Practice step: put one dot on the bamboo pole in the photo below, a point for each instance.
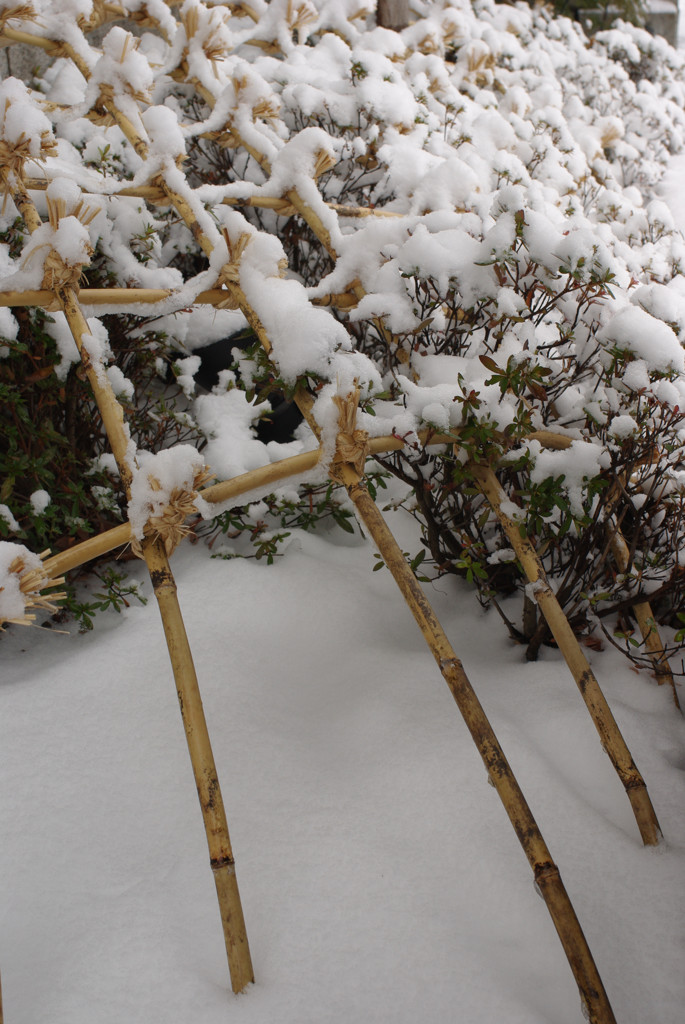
(545, 872)
(197, 736)
(642, 609)
(645, 618)
(127, 297)
(54, 47)
(609, 732)
(204, 768)
(276, 203)
(226, 490)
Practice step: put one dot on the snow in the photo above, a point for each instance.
(380, 878)
(379, 875)
(15, 559)
(650, 340)
(157, 479)
(40, 500)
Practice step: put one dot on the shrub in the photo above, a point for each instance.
(516, 286)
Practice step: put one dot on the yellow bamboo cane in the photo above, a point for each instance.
(545, 872)
(227, 490)
(197, 736)
(609, 732)
(204, 769)
(642, 610)
(645, 618)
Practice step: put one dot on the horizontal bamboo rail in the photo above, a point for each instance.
(112, 297)
(595, 701)
(227, 490)
(276, 203)
(126, 297)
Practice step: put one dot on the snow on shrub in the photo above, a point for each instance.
(518, 283)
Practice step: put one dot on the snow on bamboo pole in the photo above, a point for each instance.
(323, 161)
(349, 457)
(609, 733)
(190, 701)
(276, 203)
(131, 297)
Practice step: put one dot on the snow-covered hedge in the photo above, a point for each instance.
(518, 282)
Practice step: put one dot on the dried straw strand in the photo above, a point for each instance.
(32, 583)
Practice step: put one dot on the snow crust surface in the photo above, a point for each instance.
(379, 875)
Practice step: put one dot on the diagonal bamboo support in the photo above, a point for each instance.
(206, 779)
(546, 874)
(645, 617)
(545, 871)
(609, 732)
(643, 610)
(197, 736)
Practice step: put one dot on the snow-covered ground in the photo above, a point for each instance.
(380, 878)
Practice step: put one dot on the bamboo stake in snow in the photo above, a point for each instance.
(642, 610)
(645, 618)
(204, 769)
(197, 736)
(609, 732)
(545, 871)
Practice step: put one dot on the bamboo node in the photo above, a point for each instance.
(351, 445)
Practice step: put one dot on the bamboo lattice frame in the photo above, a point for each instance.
(346, 467)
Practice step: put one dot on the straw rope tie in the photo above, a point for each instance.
(57, 274)
(323, 162)
(352, 445)
(13, 156)
(31, 582)
(229, 274)
(170, 527)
